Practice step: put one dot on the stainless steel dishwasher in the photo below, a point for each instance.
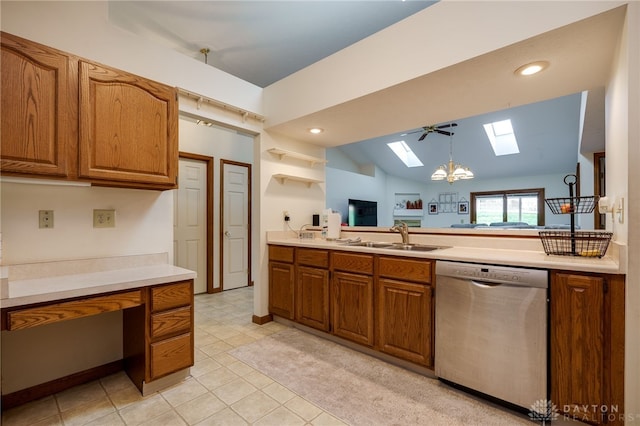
(491, 330)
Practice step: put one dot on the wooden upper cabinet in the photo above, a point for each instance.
(128, 128)
(38, 109)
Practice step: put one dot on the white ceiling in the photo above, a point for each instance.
(257, 41)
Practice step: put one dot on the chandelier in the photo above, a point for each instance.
(451, 171)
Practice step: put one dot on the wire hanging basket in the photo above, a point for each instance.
(570, 205)
(580, 243)
(574, 243)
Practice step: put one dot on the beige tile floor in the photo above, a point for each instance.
(220, 391)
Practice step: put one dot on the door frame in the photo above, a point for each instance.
(221, 214)
(209, 216)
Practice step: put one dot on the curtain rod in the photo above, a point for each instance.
(243, 112)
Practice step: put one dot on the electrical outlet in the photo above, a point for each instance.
(104, 218)
(45, 218)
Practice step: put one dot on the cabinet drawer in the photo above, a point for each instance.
(171, 355)
(312, 257)
(171, 322)
(32, 317)
(406, 269)
(351, 262)
(281, 253)
(171, 296)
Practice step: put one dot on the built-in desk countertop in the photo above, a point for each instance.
(156, 299)
(49, 289)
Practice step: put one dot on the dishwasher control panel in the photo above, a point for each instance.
(493, 273)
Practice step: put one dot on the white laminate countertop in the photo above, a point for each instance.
(86, 283)
(490, 255)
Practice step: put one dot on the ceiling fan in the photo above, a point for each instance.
(435, 129)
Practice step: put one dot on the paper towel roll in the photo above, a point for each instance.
(333, 231)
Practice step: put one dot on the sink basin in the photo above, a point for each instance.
(394, 246)
(414, 247)
(373, 244)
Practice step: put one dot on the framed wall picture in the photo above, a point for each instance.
(433, 208)
(463, 207)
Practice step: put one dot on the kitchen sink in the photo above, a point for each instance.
(414, 247)
(394, 246)
(373, 244)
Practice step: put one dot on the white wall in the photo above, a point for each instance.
(302, 201)
(622, 117)
(45, 353)
(141, 217)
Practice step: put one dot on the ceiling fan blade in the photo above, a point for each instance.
(424, 135)
(444, 126)
(443, 132)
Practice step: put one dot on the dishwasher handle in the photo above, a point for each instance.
(485, 284)
(488, 284)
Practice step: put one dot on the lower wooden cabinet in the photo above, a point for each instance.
(158, 336)
(281, 281)
(587, 346)
(405, 320)
(352, 307)
(170, 355)
(312, 297)
(382, 302)
(312, 288)
(405, 308)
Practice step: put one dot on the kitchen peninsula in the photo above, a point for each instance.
(379, 297)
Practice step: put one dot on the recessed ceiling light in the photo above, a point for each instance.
(532, 68)
(316, 130)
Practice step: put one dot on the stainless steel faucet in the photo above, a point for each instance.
(403, 229)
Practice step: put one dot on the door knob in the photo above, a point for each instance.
(227, 233)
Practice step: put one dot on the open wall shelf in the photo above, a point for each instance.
(282, 153)
(408, 212)
(282, 178)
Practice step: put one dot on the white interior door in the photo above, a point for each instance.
(189, 220)
(235, 227)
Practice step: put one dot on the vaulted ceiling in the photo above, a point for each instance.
(259, 41)
(264, 41)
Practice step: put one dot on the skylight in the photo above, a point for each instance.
(405, 154)
(503, 140)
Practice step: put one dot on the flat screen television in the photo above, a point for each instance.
(363, 213)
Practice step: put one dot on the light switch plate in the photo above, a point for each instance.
(104, 218)
(45, 218)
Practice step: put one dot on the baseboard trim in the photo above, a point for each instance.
(32, 393)
(262, 320)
